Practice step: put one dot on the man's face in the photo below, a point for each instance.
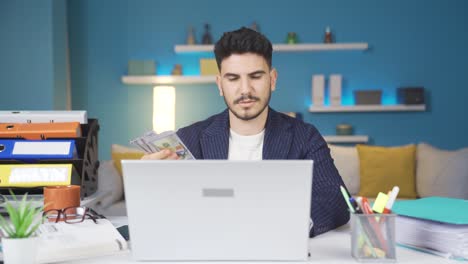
(246, 83)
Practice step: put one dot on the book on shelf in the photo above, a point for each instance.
(64, 242)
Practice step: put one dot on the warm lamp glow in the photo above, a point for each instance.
(163, 108)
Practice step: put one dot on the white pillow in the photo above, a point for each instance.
(347, 162)
(111, 182)
(441, 173)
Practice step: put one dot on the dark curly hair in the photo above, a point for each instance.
(242, 41)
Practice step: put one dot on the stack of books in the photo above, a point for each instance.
(436, 225)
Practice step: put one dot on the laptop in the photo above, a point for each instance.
(218, 210)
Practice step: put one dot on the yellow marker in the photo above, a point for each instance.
(380, 202)
(361, 241)
(380, 252)
(34, 175)
(366, 250)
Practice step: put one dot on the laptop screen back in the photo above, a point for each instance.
(218, 209)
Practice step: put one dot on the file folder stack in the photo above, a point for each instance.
(436, 225)
(40, 148)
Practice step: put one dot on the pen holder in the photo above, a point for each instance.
(373, 237)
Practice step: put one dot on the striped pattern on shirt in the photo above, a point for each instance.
(285, 138)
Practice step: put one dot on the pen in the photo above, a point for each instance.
(391, 200)
(365, 205)
(355, 205)
(359, 202)
(346, 197)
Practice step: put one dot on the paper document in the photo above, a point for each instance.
(447, 239)
(62, 241)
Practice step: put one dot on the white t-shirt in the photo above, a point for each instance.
(245, 147)
(248, 148)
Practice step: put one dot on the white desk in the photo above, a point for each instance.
(332, 247)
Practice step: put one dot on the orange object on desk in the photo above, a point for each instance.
(40, 130)
(60, 197)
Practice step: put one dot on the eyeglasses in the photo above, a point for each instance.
(71, 215)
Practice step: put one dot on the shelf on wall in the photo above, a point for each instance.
(167, 79)
(320, 46)
(367, 108)
(284, 47)
(193, 48)
(346, 139)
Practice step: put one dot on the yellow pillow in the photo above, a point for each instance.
(119, 152)
(381, 168)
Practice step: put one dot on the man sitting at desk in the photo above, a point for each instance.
(250, 130)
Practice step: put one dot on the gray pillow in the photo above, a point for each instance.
(441, 173)
(347, 163)
(110, 183)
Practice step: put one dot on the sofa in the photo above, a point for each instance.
(419, 170)
(431, 171)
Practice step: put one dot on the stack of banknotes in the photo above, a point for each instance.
(152, 142)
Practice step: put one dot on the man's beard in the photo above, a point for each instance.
(247, 117)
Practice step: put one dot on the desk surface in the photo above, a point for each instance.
(331, 247)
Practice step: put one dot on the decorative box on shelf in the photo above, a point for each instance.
(141, 67)
(208, 67)
(368, 97)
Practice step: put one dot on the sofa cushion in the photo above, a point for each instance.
(381, 168)
(110, 182)
(441, 172)
(347, 162)
(119, 152)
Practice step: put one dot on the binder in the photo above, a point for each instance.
(43, 116)
(85, 162)
(436, 223)
(33, 175)
(439, 209)
(40, 130)
(36, 149)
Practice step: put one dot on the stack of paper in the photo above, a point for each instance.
(63, 242)
(449, 239)
(437, 224)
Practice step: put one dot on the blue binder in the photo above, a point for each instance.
(36, 149)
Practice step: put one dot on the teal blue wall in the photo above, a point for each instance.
(32, 52)
(59, 49)
(412, 43)
(26, 79)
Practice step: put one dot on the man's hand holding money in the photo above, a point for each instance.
(164, 154)
(164, 146)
